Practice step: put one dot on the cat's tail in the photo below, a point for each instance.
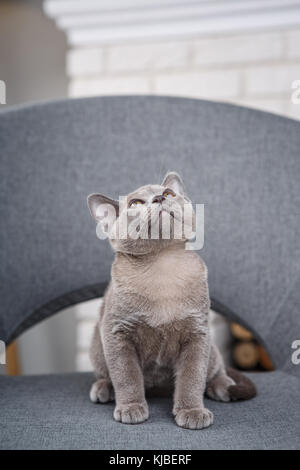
(244, 388)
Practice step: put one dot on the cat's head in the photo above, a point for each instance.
(150, 218)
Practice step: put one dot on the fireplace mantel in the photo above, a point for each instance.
(113, 21)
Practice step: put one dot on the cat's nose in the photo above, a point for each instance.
(158, 199)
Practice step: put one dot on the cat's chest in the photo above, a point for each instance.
(165, 279)
(165, 290)
(164, 286)
(158, 346)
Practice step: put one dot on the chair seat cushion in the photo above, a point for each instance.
(54, 412)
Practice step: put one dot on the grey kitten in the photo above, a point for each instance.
(153, 329)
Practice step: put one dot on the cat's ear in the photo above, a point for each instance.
(97, 203)
(173, 181)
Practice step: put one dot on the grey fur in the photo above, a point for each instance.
(153, 329)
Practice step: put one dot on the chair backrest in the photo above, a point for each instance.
(244, 165)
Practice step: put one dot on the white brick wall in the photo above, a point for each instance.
(255, 70)
(86, 314)
(216, 84)
(84, 61)
(151, 57)
(241, 49)
(109, 86)
(272, 80)
(293, 45)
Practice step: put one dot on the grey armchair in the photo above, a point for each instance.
(244, 165)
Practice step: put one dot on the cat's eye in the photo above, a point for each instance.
(168, 193)
(135, 202)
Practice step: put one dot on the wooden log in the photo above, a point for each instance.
(246, 355)
(239, 332)
(12, 360)
(264, 359)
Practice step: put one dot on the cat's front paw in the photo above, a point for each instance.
(133, 413)
(101, 391)
(195, 418)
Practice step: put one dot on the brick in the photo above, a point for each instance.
(293, 44)
(83, 363)
(271, 80)
(293, 111)
(147, 56)
(109, 86)
(238, 49)
(88, 310)
(84, 334)
(219, 84)
(87, 61)
(220, 334)
(276, 106)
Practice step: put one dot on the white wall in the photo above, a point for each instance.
(253, 69)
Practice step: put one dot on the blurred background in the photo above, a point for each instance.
(239, 51)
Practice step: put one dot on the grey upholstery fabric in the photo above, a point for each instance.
(54, 412)
(242, 164)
